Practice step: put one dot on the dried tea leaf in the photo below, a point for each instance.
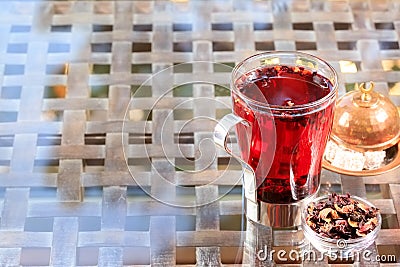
(326, 228)
(352, 223)
(341, 217)
(345, 209)
(335, 215)
(311, 223)
(324, 214)
(359, 233)
(310, 208)
(369, 225)
(362, 206)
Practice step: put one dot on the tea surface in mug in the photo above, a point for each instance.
(290, 169)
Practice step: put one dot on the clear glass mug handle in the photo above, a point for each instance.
(221, 132)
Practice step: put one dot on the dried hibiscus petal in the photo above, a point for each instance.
(353, 224)
(325, 214)
(359, 233)
(345, 208)
(311, 223)
(310, 208)
(326, 228)
(362, 207)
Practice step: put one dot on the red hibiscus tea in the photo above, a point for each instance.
(289, 110)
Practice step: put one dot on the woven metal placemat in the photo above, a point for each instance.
(105, 134)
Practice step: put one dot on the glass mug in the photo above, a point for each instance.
(283, 106)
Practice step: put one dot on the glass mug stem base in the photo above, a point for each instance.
(281, 215)
(269, 214)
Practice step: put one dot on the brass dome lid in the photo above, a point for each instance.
(366, 120)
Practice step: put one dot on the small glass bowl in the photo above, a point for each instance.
(342, 248)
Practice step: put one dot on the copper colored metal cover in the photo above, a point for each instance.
(366, 120)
